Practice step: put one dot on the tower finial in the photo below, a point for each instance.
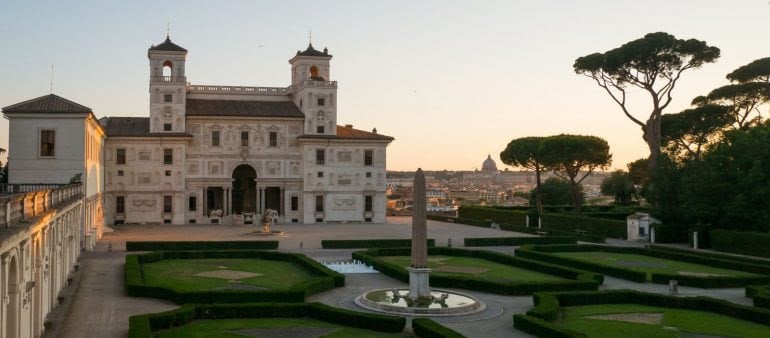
(310, 36)
(168, 30)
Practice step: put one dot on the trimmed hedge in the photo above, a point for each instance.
(592, 225)
(548, 306)
(579, 280)
(667, 233)
(715, 255)
(533, 230)
(144, 325)
(369, 243)
(428, 328)
(541, 253)
(495, 214)
(745, 243)
(473, 222)
(519, 241)
(760, 294)
(135, 286)
(200, 245)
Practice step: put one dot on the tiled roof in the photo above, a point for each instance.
(168, 46)
(132, 127)
(199, 107)
(310, 51)
(47, 104)
(348, 133)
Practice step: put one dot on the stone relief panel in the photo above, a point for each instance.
(144, 178)
(192, 168)
(344, 156)
(145, 154)
(294, 130)
(294, 168)
(148, 204)
(215, 168)
(273, 168)
(343, 203)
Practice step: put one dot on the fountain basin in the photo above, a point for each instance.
(444, 303)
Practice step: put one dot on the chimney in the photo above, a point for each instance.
(349, 126)
(374, 130)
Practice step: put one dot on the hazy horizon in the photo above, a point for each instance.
(452, 81)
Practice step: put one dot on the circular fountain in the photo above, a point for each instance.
(441, 303)
(419, 299)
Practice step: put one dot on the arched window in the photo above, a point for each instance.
(313, 72)
(167, 66)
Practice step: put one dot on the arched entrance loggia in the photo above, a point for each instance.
(12, 308)
(244, 194)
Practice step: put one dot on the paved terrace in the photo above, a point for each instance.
(99, 307)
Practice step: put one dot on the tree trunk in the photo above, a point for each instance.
(651, 136)
(576, 200)
(538, 198)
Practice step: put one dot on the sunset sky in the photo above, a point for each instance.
(451, 80)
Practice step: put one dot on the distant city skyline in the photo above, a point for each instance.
(452, 81)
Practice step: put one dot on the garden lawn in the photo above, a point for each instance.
(274, 328)
(484, 269)
(674, 323)
(650, 265)
(179, 274)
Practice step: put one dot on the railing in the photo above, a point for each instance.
(204, 89)
(168, 79)
(20, 202)
(314, 84)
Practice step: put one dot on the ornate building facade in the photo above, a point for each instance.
(217, 154)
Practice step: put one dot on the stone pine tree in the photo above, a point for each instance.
(575, 157)
(653, 64)
(526, 153)
(686, 135)
(749, 90)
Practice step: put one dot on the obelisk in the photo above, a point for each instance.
(418, 271)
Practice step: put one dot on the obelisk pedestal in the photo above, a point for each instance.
(419, 273)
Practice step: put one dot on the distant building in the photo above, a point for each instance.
(489, 165)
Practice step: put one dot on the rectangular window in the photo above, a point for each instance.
(320, 174)
(215, 138)
(120, 204)
(244, 139)
(120, 156)
(368, 157)
(167, 199)
(368, 203)
(168, 172)
(273, 139)
(192, 203)
(167, 127)
(168, 156)
(321, 102)
(120, 172)
(47, 143)
(168, 98)
(320, 156)
(320, 129)
(319, 203)
(368, 174)
(294, 203)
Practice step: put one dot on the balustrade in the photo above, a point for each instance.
(18, 202)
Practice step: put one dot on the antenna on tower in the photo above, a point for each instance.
(51, 87)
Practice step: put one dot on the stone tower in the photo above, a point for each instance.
(313, 91)
(168, 86)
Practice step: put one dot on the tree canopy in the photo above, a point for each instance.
(654, 64)
(620, 186)
(572, 154)
(526, 152)
(555, 191)
(686, 134)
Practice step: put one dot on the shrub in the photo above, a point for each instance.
(746, 243)
(579, 280)
(538, 320)
(714, 255)
(369, 243)
(541, 253)
(326, 279)
(144, 325)
(494, 214)
(592, 225)
(201, 245)
(518, 241)
(667, 233)
(427, 328)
